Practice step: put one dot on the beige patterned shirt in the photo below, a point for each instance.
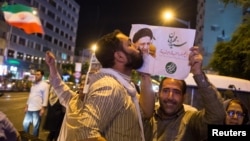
(107, 111)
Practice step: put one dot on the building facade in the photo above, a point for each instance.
(215, 22)
(20, 53)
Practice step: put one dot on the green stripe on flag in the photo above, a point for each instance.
(16, 8)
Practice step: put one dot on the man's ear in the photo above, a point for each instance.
(119, 55)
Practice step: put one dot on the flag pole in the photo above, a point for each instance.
(86, 84)
(8, 38)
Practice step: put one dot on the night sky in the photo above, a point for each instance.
(99, 17)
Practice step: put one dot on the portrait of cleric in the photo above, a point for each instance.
(143, 40)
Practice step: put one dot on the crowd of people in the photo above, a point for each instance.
(113, 110)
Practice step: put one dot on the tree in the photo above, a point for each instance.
(245, 3)
(85, 68)
(233, 58)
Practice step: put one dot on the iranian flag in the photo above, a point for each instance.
(23, 17)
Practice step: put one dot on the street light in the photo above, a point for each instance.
(168, 15)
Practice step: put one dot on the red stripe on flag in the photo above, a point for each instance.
(28, 28)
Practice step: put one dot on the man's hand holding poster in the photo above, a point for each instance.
(165, 49)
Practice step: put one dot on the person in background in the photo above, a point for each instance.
(236, 112)
(111, 110)
(171, 121)
(54, 117)
(7, 130)
(36, 103)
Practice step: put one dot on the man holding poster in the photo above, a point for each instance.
(171, 122)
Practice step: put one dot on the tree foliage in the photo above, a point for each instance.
(245, 3)
(232, 58)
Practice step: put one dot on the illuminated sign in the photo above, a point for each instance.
(13, 62)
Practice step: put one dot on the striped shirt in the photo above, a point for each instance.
(107, 111)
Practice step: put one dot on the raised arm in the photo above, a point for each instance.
(213, 112)
(147, 96)
(209, 93)
(50, 60)
(195, 60)
(62, 90)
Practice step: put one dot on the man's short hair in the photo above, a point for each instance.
(41, 71)
(106, 47)
(183, 85)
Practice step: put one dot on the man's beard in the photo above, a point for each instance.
(135, 61)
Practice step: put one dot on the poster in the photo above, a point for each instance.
(165, 49)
